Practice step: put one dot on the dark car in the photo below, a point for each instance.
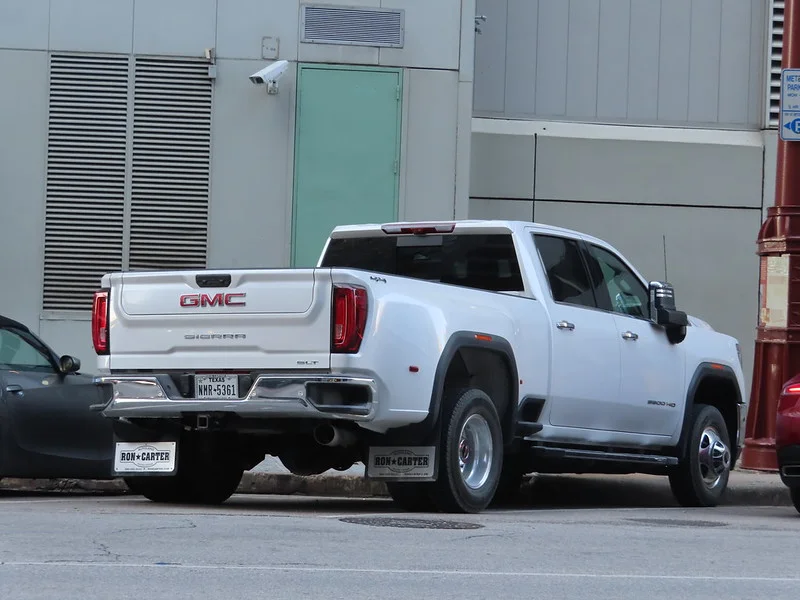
(46, 427)
(787, 437)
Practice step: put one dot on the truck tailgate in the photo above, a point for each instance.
(221, 320)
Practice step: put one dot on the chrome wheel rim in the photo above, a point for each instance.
(475, 452)
(714, 457)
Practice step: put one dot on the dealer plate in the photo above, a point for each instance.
(145, 457)
(401, 462)
(216, 386)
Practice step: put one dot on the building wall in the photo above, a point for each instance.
(252, 133)
(666, 62)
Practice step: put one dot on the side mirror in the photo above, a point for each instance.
(664, 313)
(69, 364)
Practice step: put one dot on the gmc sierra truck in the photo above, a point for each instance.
(452, 358)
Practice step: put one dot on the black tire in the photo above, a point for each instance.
(450, 491)
(687, 479)
(412, 496)
(510, 480)
(209, 472)
(795, 494)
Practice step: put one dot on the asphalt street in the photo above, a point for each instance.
(65, 547)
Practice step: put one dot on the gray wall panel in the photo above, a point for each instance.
(250, 219)
(521, 55)
(241, 25)
(92, 25)
(551, 59)
(673, 62)
(24, 24)
(430, 149)
(513, 210)
(177, 27)
(613, 59)
(23, 121)
(735, 62)
(704, 64)
(502, 166)
(711, 257)
(432, 35)
(582, 58)
(648, 172)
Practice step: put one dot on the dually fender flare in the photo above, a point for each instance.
(706, 370)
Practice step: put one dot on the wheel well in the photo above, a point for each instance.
(489, 371)
(720, 392)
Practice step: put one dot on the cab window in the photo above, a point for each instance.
(17, 353)
(622, 292)
(566, 272)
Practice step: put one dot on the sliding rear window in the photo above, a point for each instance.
(480, 261)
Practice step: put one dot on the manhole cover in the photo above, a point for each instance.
(678, 523)
(410, 523)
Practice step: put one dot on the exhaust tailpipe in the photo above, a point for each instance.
(328, 435)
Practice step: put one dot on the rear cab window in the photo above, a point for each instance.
(484, 261)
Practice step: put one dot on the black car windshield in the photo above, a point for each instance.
(480, 261)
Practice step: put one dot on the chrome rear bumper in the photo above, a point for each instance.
(157, 396)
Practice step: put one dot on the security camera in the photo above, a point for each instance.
(270, 75)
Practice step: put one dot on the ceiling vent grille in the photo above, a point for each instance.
(325, 24)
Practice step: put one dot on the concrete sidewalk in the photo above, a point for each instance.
(746, 488)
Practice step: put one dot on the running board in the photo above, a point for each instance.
(650, 459)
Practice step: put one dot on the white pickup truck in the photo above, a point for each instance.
(451, 358)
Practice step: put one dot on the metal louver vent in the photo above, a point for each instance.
(325, 24)
(171, 164)
(86, 154)
(774, 78)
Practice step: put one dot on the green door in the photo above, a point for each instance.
(347, 152)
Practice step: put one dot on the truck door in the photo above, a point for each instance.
(585, 356)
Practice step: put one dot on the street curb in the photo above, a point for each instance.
(549, 490)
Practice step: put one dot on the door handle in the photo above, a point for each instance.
(629, 335)
(565, 325)
(14, 389)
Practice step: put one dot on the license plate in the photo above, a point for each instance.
(216, 386)
(145, 457)
(401, 462)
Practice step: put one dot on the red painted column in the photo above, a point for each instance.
(777, 349)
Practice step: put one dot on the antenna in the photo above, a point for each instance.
(665, 257)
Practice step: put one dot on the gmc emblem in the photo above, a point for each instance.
(203, 300)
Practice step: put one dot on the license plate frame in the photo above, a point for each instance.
(216, 386)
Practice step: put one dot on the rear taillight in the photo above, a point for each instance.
(100, 322)
(349, 318)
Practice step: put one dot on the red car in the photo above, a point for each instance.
(787, 437)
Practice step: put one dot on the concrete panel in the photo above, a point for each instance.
(674, 61)
(73, 337)
(582, 45)
(513, 210)
(551, 58)
(645, 25)
(463, 149)
(734, 72)
(92, 25)
(466, 65)
(490, 58)
(704, 60)
(241, 25)
(502, 166)
(178, 27)
(24, 24)
(252, 141)
(612, 59)
(521, 55)
(430, 152)
(23, 121)
(648, 172)
(432, 35)
(711, 257)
